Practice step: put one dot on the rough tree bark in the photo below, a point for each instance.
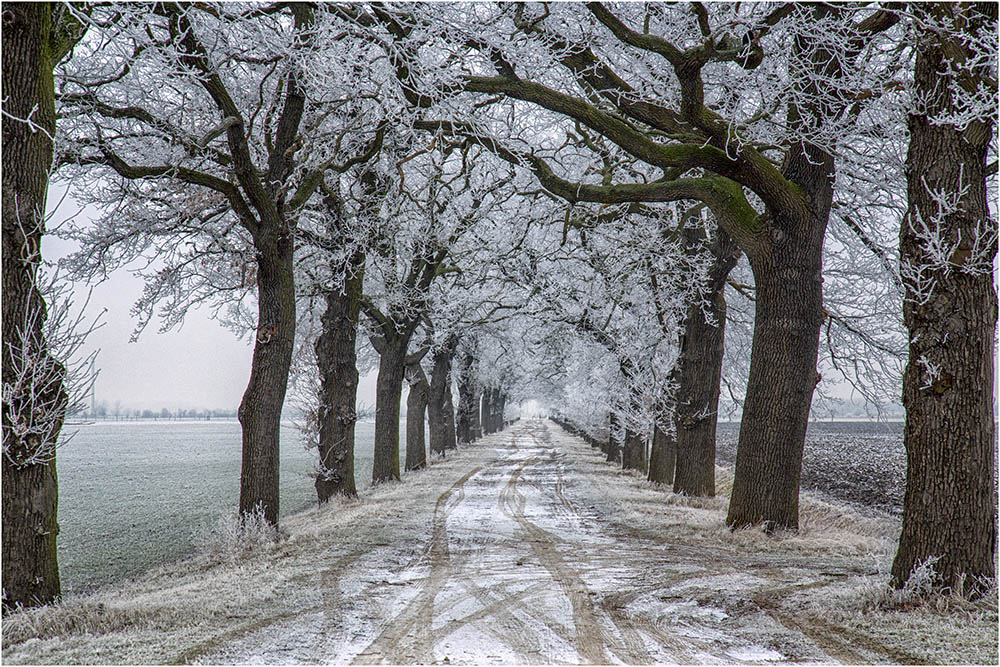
(336, 358)
(662, 457)
(782, 372)
(439, 399)
(633, 450)
(475, 423)
(698, 376)
(260, 409)
(468, 428)
(388, 391)
(949, 509)
(501, 408)
(416, 407)
(435, 401)
(36, 37)
(614, 450)
(787, 266)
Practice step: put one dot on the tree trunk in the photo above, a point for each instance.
(699, 375)
(614, 449)
(501, 407)
(260, 410)
(468, 402)
(476, 425)
(337, 361)
(463, 422)
(787, 264)
(486, 411)
(451, 437)
(779, 391)
(437, 403)
(388, 390)
(633, 451)
(949, 509)
(33, 414)
(416, 407)
(662, 457)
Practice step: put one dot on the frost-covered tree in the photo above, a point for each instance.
(948, 246)
(668, 84)
(185, 124)
(441, 427)
(439, 195)
(471, 292)
(335, 234)
(36, 36)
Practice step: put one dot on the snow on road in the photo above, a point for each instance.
(520, 567)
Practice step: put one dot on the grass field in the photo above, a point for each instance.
(137, 494)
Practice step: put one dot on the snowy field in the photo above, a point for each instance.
(525, 547)
(135, 494)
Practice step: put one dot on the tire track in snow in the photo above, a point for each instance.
(418, 616)
(589, 635)
(330, 578)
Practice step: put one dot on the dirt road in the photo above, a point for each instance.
(525, 563)
(525, 547)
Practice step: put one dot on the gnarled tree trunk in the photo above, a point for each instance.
(501, 407)
(633, 450)
(787, 266)
(260, 410)
(416, 407)
(699, 375)
(662, 457)
(949, 510)
(388, 391)
(468, 402)
(614, 450)
(33, 417)
(782, 378)
(438, 399)
(337, 361)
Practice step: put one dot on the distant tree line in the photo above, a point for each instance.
(103, 410)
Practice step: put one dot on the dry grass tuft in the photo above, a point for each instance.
(74, 617)
(922, 592)
(234, 537)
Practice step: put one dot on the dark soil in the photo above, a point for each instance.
(863, 463)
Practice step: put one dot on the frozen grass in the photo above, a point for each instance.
(133, 495)
(77, 617)
(830, 578)
(176, 612)
(233, 536)
(920, 593)
(137, 494)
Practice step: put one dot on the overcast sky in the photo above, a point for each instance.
(201, 365)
